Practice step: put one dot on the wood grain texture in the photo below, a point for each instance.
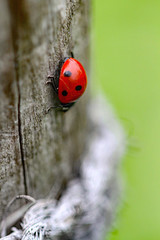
(11, 171)
(39, 150)
(68, 160)
(87, 207)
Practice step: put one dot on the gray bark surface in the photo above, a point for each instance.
(57, 157)
(37, 148)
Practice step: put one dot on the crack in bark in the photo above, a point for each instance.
(16, 11)
(20, 138)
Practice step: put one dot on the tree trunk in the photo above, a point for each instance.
(49, 155)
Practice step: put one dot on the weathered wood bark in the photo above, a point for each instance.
(37, 149)
(40, 152)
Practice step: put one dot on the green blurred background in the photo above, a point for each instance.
(127, 62)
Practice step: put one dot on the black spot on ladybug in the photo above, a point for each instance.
(64, 93)
(67, 74)
(78, 88)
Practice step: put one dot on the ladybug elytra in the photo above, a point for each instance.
(72, 81)
(69, 82)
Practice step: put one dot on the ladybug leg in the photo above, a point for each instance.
(52, 82)
(49, 82)
(50, 77)
(63, 108)
(54, 107)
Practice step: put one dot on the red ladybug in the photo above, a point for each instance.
(72, 81)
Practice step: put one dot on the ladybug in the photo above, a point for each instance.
(70, 82)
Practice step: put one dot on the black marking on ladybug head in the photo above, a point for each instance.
(67, 73)
(78, 88)
(64, 93)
